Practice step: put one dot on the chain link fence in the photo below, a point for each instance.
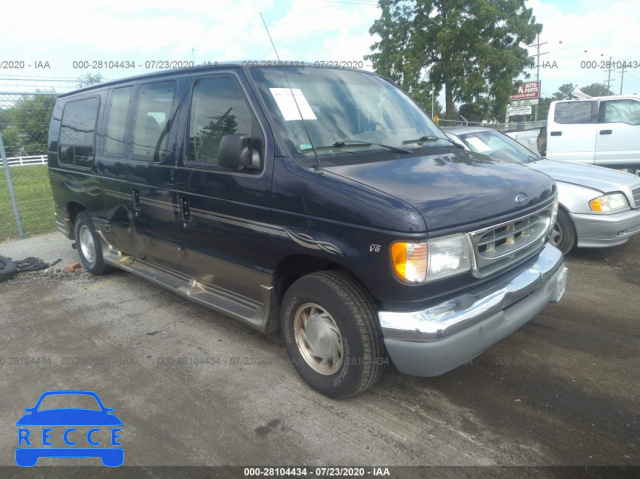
(26, 202)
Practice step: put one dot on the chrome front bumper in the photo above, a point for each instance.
(435, 340)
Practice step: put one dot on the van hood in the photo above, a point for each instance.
(598, 178)
(453, 187)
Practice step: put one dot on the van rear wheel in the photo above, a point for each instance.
(330, 329)
(89, 246)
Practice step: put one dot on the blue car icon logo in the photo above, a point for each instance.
(68, 432)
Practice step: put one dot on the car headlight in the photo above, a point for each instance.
(434, 259)
(609, 203)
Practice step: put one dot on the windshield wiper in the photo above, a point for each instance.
(426, 138)
(346, 143)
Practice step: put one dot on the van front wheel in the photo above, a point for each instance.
(330, 329)
(89, 247)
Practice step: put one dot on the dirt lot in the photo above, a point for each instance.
(563, 390)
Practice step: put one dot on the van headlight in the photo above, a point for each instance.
(431, 260)
(609, 203)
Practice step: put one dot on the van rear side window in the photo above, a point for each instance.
(77, 133)
(117, 115)
(154, 109)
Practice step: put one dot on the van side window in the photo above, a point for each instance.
(218, 108)
(575, 112)
(117, 114)
(620, 111)
(154, 110)
(77, 132)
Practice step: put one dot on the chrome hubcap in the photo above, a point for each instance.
(318, 339)
(556, 235)
(87, 246)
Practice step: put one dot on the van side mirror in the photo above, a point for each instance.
(235, 152)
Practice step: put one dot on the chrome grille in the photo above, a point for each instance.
(636, 196)
(497, 247)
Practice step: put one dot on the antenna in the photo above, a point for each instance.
(315, 153)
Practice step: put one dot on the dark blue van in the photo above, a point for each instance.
(321, 201)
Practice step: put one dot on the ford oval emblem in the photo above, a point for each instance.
(521, 199)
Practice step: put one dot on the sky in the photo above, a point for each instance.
(49, 44)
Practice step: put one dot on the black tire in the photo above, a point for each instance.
(8, 269)
(89, 246)
(341, 317)
(563, 235)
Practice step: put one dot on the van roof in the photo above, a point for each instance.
(210, 66)
(159, 74)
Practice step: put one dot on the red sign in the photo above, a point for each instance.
(528, 90)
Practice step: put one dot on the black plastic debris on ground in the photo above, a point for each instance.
(30, 264)
(9, 268)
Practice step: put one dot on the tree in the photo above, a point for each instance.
(472, 112)
(423, 98)
(30, 116)
(597, 89)
(89, 79)
(564, 92)
(11, 140)
(543, 107)
(469, 47)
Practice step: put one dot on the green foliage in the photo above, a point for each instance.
(469, 47)
(11, 140)
(424, 99)
(30, 116)
(597, 89)
(5, 119)
(543, 108)
(473, 112)
(89, 79)
(564, 92)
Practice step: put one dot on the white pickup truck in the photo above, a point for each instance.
(603, 131)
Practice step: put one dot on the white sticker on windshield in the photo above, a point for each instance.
(287, 104)
(477, 144)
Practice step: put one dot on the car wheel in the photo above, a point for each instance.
(89, 246)
(563, 236)
(330, 329)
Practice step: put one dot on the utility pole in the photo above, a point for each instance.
(537, 55)
(622, 77)
(432, 89)
(609, 80)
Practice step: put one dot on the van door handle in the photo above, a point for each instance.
(135, 196)
(185, 212)
(556, 133)
(606, 132)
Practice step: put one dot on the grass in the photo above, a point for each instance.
(35, 202)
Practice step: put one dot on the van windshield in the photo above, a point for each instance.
(346, 112)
